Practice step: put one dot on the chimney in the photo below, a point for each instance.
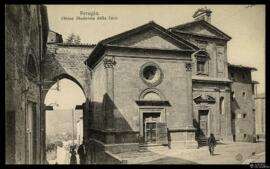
(203, 14)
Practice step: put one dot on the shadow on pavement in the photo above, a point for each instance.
(170, 160)
(216, 154)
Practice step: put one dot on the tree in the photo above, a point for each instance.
(73, 39)
(77, 39)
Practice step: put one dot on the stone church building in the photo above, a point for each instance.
(151, 83)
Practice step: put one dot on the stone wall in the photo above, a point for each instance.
(260, 115)
(219, 122)
(117, 89)
(217, 50)
(26, 31)
(242, 104)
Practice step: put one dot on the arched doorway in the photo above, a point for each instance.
(64, 123)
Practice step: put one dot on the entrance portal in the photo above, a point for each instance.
(31, 129)
(150, 121)
(203, 122)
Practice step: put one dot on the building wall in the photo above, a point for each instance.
(80, 130)
(116, 122)
(128, 86)
(219, 122)
(54, 37)
(98, 94)
(23, 38)
(242, 104)
(260, 115)
(217, 50)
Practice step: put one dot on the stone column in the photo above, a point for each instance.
(43, 133)
(189, 94)
(228, 116)
(190, 133)
(109, 100)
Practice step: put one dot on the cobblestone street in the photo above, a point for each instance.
(226, 153)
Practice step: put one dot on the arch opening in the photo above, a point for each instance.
(64, 124)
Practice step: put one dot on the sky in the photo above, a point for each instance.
(69, 95)
(245, 25)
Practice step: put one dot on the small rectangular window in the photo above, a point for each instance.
(244, 115)
(201, 66)
(239, 116)
(233, 115)
(232, 75)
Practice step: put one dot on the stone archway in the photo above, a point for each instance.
(59, 65)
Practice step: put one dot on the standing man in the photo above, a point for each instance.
(82, 152)
(169, 138)
(211, 143)
(73, 159)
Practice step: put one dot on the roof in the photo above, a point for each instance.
(255, 82)
(76, 45)
(210, 79)
(242, 67)
(101, 45)
(147, 25)
(54, 32)
(203, 22)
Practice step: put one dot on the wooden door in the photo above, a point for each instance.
(30, 133)
(162, 135)
(203, 122)
(150, 132)
(150, 127)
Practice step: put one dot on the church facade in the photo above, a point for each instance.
(149, 84)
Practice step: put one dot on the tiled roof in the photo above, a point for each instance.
(242, 67)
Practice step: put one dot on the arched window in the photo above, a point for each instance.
(31, 66)
(221, 105)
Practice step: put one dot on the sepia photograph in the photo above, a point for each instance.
(135, 84)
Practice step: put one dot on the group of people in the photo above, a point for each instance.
(81, 152)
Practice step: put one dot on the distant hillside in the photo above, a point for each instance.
(60, 121)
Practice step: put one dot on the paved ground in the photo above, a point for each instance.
(227, 153)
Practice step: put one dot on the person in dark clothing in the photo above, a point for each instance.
(211, 143)
(169, 138)
(82, 152)
(73, 159)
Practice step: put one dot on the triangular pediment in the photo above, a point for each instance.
(201, 28)
(151, 39)
(150, 36)
(204, 99)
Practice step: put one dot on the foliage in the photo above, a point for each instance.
(73, 39)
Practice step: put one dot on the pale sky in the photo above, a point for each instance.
(69, 95)
(246, 26)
